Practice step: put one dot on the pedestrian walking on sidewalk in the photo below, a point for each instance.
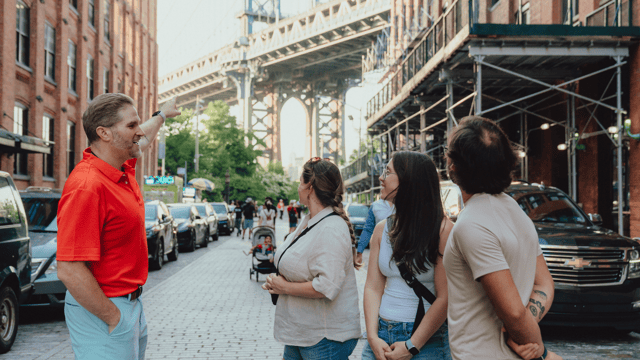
(408, 245)
(317, 315)
(499, 283)
(102, 246)
(293, 216)
(238, 213)
(248, 210)
(379, 210)
(281, 208)
(268, 214)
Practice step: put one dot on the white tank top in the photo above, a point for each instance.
(399, 301)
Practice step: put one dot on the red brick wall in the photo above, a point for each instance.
(135, 67)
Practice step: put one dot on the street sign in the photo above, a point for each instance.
(159, 180)
(182, 171)
(581, 147)
(189, 192)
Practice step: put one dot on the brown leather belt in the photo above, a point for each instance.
(134, 295)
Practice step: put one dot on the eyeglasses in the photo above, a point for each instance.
(386, 173)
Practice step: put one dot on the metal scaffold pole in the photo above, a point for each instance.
(620, 128)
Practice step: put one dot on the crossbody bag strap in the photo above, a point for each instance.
(420, 290)
(304, 232)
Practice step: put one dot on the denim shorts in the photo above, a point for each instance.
(248, 223)
(292, 225)
(390, 331)
(90, 337)
(324, 350)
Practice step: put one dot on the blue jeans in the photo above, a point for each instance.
(324, 350)
(90, 337)
(390, 331)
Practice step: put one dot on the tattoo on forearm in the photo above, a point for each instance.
(533, 310)
(542, 294)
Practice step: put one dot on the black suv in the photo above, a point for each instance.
(595, 270)
(161, 239)
(15, 260)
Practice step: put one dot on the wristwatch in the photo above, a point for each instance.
(412, 349)
(159, 112)
(544, 355)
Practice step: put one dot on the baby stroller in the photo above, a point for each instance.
(260, 263)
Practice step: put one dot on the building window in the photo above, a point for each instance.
(105, 80)
(90, 77)
(49, 51)
(71, 145)
(20, 127)
(74, 4)
(570, 11)
(107, 18)
(71, 61)
(493, 2)
(92, 13)
(526, 15)
(47, 135)
(22, 35)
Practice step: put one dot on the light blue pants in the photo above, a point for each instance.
(90, 338)
(437, 347)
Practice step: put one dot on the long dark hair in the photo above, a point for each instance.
(415, 232)
(325, 179)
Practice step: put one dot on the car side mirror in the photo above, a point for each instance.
(596, 219)
(198, 217)
(164, 217)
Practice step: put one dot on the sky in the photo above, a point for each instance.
(191, 29)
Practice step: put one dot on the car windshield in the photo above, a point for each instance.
(201, 209)
(150, 212)
(358, 211)
(180, 212)
(53, 226)
(220, 209)
(40, 211)
(550, 206)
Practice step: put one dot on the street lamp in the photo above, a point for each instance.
(227, 180)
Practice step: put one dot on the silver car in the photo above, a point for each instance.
(209, 215)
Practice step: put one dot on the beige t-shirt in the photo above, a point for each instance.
(492, 233)
(324, 257)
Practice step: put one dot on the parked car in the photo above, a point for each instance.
(357, 214)
(191, 227)
(209, 215)
(160, 235)
(41, 206)
(15, 260)
(596, 271)
(226, 218)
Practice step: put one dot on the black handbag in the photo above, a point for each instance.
(420, 290)
(274, 297)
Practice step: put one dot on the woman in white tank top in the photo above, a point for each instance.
(416, 236)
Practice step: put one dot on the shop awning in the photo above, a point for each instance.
(14, 143)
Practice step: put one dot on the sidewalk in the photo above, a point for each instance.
(212, 310)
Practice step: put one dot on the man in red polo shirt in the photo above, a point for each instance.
(102, 246)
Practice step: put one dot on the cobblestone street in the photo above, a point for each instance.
(210, 309)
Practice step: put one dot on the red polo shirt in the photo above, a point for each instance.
(101, 221)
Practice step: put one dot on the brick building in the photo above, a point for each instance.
(559, 76)
(55, 57)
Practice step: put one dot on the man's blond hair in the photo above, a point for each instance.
(103, 110)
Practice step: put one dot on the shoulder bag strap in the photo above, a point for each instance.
(420, 290)
(304, 232)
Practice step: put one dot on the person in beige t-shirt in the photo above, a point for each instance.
(493, 261)
(317, 314)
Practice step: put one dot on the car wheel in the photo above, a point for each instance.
(173, 255)
(192, 244)
(205, 241)
(158, 259)
(8, 318)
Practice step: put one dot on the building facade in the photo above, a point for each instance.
(56, 56)
(560, 76)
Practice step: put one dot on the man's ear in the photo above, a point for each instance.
(104, 133)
